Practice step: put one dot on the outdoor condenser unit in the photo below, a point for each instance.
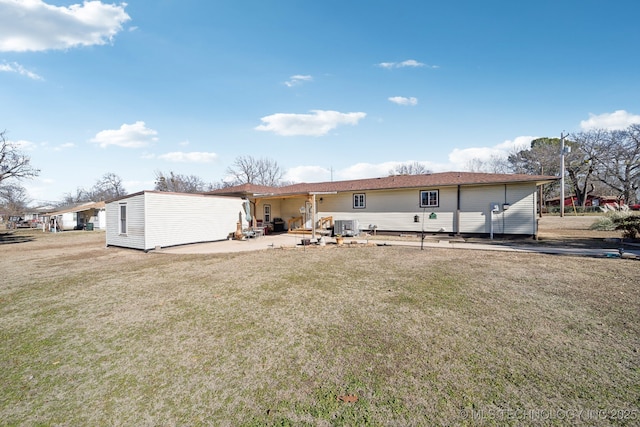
(346, 227)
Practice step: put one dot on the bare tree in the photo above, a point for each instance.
(249, 170)
(13, 199)
(179, 183)
(614, 157)
(544, 158)
(108, 187)
(14, 164)
(495, 164)
(69, 199)
(409, 168)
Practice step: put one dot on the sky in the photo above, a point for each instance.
(330, 90)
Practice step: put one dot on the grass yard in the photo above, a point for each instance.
(323, 336)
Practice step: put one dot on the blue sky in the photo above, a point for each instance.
(328, 89)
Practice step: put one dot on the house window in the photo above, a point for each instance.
(267, 213)
(359, 201)
(123, 219)
(429, 199)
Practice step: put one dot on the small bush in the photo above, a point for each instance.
(609, 221)
(629, 225)
(604, 223)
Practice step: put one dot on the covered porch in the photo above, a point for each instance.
(292, 213)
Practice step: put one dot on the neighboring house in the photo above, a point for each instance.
(153, 219)
(592, 200)
(79, 217)
(31, 218)
(449, 202)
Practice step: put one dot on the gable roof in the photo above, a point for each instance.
(443, 179)
(81, 208)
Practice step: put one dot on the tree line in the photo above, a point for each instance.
(603, 162)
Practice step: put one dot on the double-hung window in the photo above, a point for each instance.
(429, 199)
(123, 219)
(359, 201)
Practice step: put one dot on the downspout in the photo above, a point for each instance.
(456, 225)
(535, 216)
(504, 213)
(313, 216)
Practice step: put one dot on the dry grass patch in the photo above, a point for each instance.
(94, 336)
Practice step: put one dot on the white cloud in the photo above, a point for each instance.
(319, 123)
(14, 67)
(412, 63)
(458, 161)
(133, 186)
(356, 171)
(617, 120)
(298, 79)
(129, 136)
(375, 170)
(308, 174)
(64, 146)
(33, 25)
(401, 100)
(366, 170)
(460, 158)
(191, 157)
(23, 145)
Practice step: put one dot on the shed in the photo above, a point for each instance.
(154, 219)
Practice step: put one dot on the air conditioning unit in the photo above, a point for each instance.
(346, 227)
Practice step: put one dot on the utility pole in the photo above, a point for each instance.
(563, 151)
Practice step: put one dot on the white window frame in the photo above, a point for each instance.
(122, 219)
(266, 213)
(359, 200)
(432, 202)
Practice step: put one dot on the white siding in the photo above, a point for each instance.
(134, 238)
(67, 220)
(101, 222)
(394, 210)
(475, 205)
(475, 211)
(176, 219)
(520, 218)
(168, 219)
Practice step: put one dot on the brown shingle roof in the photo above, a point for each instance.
(443, 179)
(242, 190)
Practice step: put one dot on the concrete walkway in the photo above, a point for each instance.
(276, 241)
(595, 252)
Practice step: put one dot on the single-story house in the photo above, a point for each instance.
(449, 202)
(90, 215)
(153, 219)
